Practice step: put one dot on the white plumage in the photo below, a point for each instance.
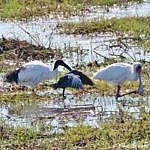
(118, 73)
(32, 73)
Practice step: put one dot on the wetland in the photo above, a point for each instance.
(87, 35)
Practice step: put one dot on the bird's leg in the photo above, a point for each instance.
(135, 92)
(118, 92)
(64, 97)
(33, 91)
(81, 91)
(120, 95)
(64, 93)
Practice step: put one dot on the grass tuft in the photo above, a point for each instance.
(19, 9)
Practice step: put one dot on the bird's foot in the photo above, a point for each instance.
(120, 95)
(64, 97)
(132, 92)
(135, 92)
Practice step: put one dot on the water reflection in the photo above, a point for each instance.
(88, 110)
(43, 32)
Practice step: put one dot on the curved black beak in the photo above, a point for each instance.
(62, 63)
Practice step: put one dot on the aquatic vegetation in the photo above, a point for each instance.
(147, 45)
(114, 133)
(18, 96)
(121, 130)
(29, 8)
(136, 25)
(135, 28)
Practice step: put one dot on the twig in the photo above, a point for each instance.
(29, 34)
(100, 55)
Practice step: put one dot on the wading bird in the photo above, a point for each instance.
(68, 80)
(73, 79)
(85, 80)
(118, 73)
(34, 72)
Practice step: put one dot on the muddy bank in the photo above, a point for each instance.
(13, 49)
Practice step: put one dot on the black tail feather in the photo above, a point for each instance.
(54, 86)
(85, 80)
(12, 76)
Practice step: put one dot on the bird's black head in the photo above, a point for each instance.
(61, 63)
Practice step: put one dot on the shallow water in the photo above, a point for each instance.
(87, 109)
(43, 32)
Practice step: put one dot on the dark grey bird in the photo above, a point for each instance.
(85, 80)
(68, 80)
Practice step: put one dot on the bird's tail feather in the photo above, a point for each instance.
(12, 76)
(86, 80)
(54, 85)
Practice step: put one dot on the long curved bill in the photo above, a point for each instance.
(140, 88)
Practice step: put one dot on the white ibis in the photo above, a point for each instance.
(118, 73)
(68, 80)
(34, 72)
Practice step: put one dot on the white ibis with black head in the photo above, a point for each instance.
(119, 73)
(68, 80)
(34, 72)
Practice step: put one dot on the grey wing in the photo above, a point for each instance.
(76, 81)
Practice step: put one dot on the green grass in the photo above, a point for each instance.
(30, 8)
(147, 44)
(137, 27)
(10, 8)
(115, 133)
(111, 133)
(128, 24)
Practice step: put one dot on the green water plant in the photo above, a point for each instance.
(26, 9)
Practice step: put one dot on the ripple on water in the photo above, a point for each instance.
(90, 109)
(84, 110)
(44, 31)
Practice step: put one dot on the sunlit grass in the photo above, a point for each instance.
(114, 133)
(136, 25)
(29, 8)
